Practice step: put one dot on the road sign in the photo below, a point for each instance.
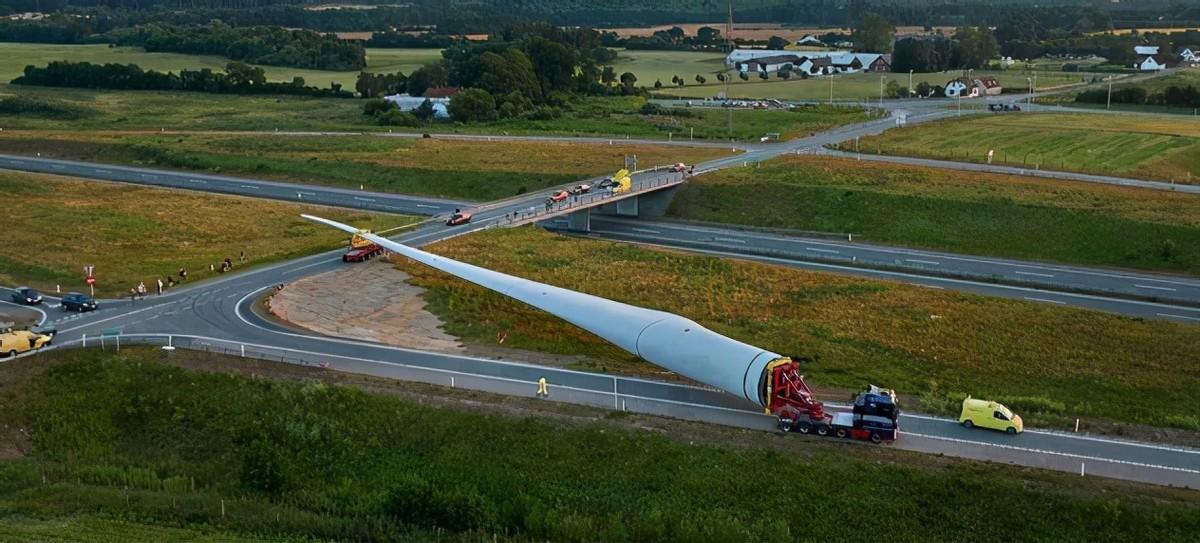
(89, 270)
(91, 280)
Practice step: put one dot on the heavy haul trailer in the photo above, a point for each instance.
(763, 378)
(361, 249)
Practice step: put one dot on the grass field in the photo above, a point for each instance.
(128, 445)
(1049, 363)
(1164, 149)
(470, 170)
(133, 234)
(962, 212)
(612, 117)
(1179, 78)
(15, 56)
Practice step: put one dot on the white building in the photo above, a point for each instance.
(1150, 64)
(811, 62)
(1145, 50)
(1189, 55)
(409, 103)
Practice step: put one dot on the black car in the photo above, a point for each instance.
(26, 296)
(45, 330)
(75, 301)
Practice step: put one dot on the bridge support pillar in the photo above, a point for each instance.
(650, 204)
(580, 221)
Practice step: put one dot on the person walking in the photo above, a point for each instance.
(141, 289)
(132, 295)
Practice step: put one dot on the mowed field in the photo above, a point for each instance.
(1051, 364)
(133, 446)
(1144, 147)
(961, 212)
(649, 66)
(15, 56)
(133, 234)
(470, 170)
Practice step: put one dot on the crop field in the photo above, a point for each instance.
(471, 170)
(133, 234)
(15, 56)
(127, 445)
(1049, 363)
(1162, 149)
(649, 66)
(961, 212)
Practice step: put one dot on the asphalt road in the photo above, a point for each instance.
(1117, 291)
(219, 314)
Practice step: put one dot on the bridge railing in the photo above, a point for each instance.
(536, 213)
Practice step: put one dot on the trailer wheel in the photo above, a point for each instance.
(804, 427)
(841, 432)
(875, 438)
(785, 427)
(822, 429)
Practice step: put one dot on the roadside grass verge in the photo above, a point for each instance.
(962, 212)
(470, 170)
(920, 341)
(616, 117)
(56, 225)
(1162, 149)
(123, 438)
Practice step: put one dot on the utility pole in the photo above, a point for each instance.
(882, 78)
(1108, 105)
(831, 89)
(728, 51)
(910, 87)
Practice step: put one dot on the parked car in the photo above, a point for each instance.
(581, 189)
(15, 342)
(986, 414)
(74, 301)
(607, 183)
(461, 217)
(26, 296)
(559, 196)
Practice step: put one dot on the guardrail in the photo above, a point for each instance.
(536, 213)
(609, 398)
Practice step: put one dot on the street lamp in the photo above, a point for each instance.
(910, 87)
(1108, 105)
(882, 78)
(831, 89)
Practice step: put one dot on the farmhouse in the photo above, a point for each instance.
(1189, 56)
(809, 39)
(1150, 64)
(409, 103)
(1148, 61)
(972, 88)
(814, 63)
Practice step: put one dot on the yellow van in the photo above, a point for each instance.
(985, 414)
(16, 342)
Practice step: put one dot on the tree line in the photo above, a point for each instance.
(238, 78)
(269, 45)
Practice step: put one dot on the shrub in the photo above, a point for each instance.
(395, 117)
(376, 106)
(42, 107)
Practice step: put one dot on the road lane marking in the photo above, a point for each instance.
(930, 262)
(1035, 274)
(195, 181)
(104, 171)
(645, 230)
(361, 199)
(1154, 288)
(249, 187)
(730, 240)
(1064, 435)
(1047, 300)
(55, 166)
(427, 206)
(814, 249)
(1056, 453)
(1178, 317)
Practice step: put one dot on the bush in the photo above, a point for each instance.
(377, 106)
(473, 105)
(544, 113)
(395, 117)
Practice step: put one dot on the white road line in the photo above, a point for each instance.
(427, 206)
(1055, 453)
(930, 262)
(1035, 274)
(249, 187)
(1155, 288)
(1045, 300)
(645, 230)
(730, 240)
(1178, 317)
(195, 181)
(56, 166)
(814, 249)
(364, 199)
(104, 171)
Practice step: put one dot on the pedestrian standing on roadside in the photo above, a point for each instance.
(182, 275)
(132, 296)
(141, 288)
(160, 286)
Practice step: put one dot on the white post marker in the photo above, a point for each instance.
(243, 351)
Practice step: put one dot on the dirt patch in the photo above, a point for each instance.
(370, 301)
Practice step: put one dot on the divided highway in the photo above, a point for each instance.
(220, 314)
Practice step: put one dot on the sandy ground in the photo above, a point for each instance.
(369, 301)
